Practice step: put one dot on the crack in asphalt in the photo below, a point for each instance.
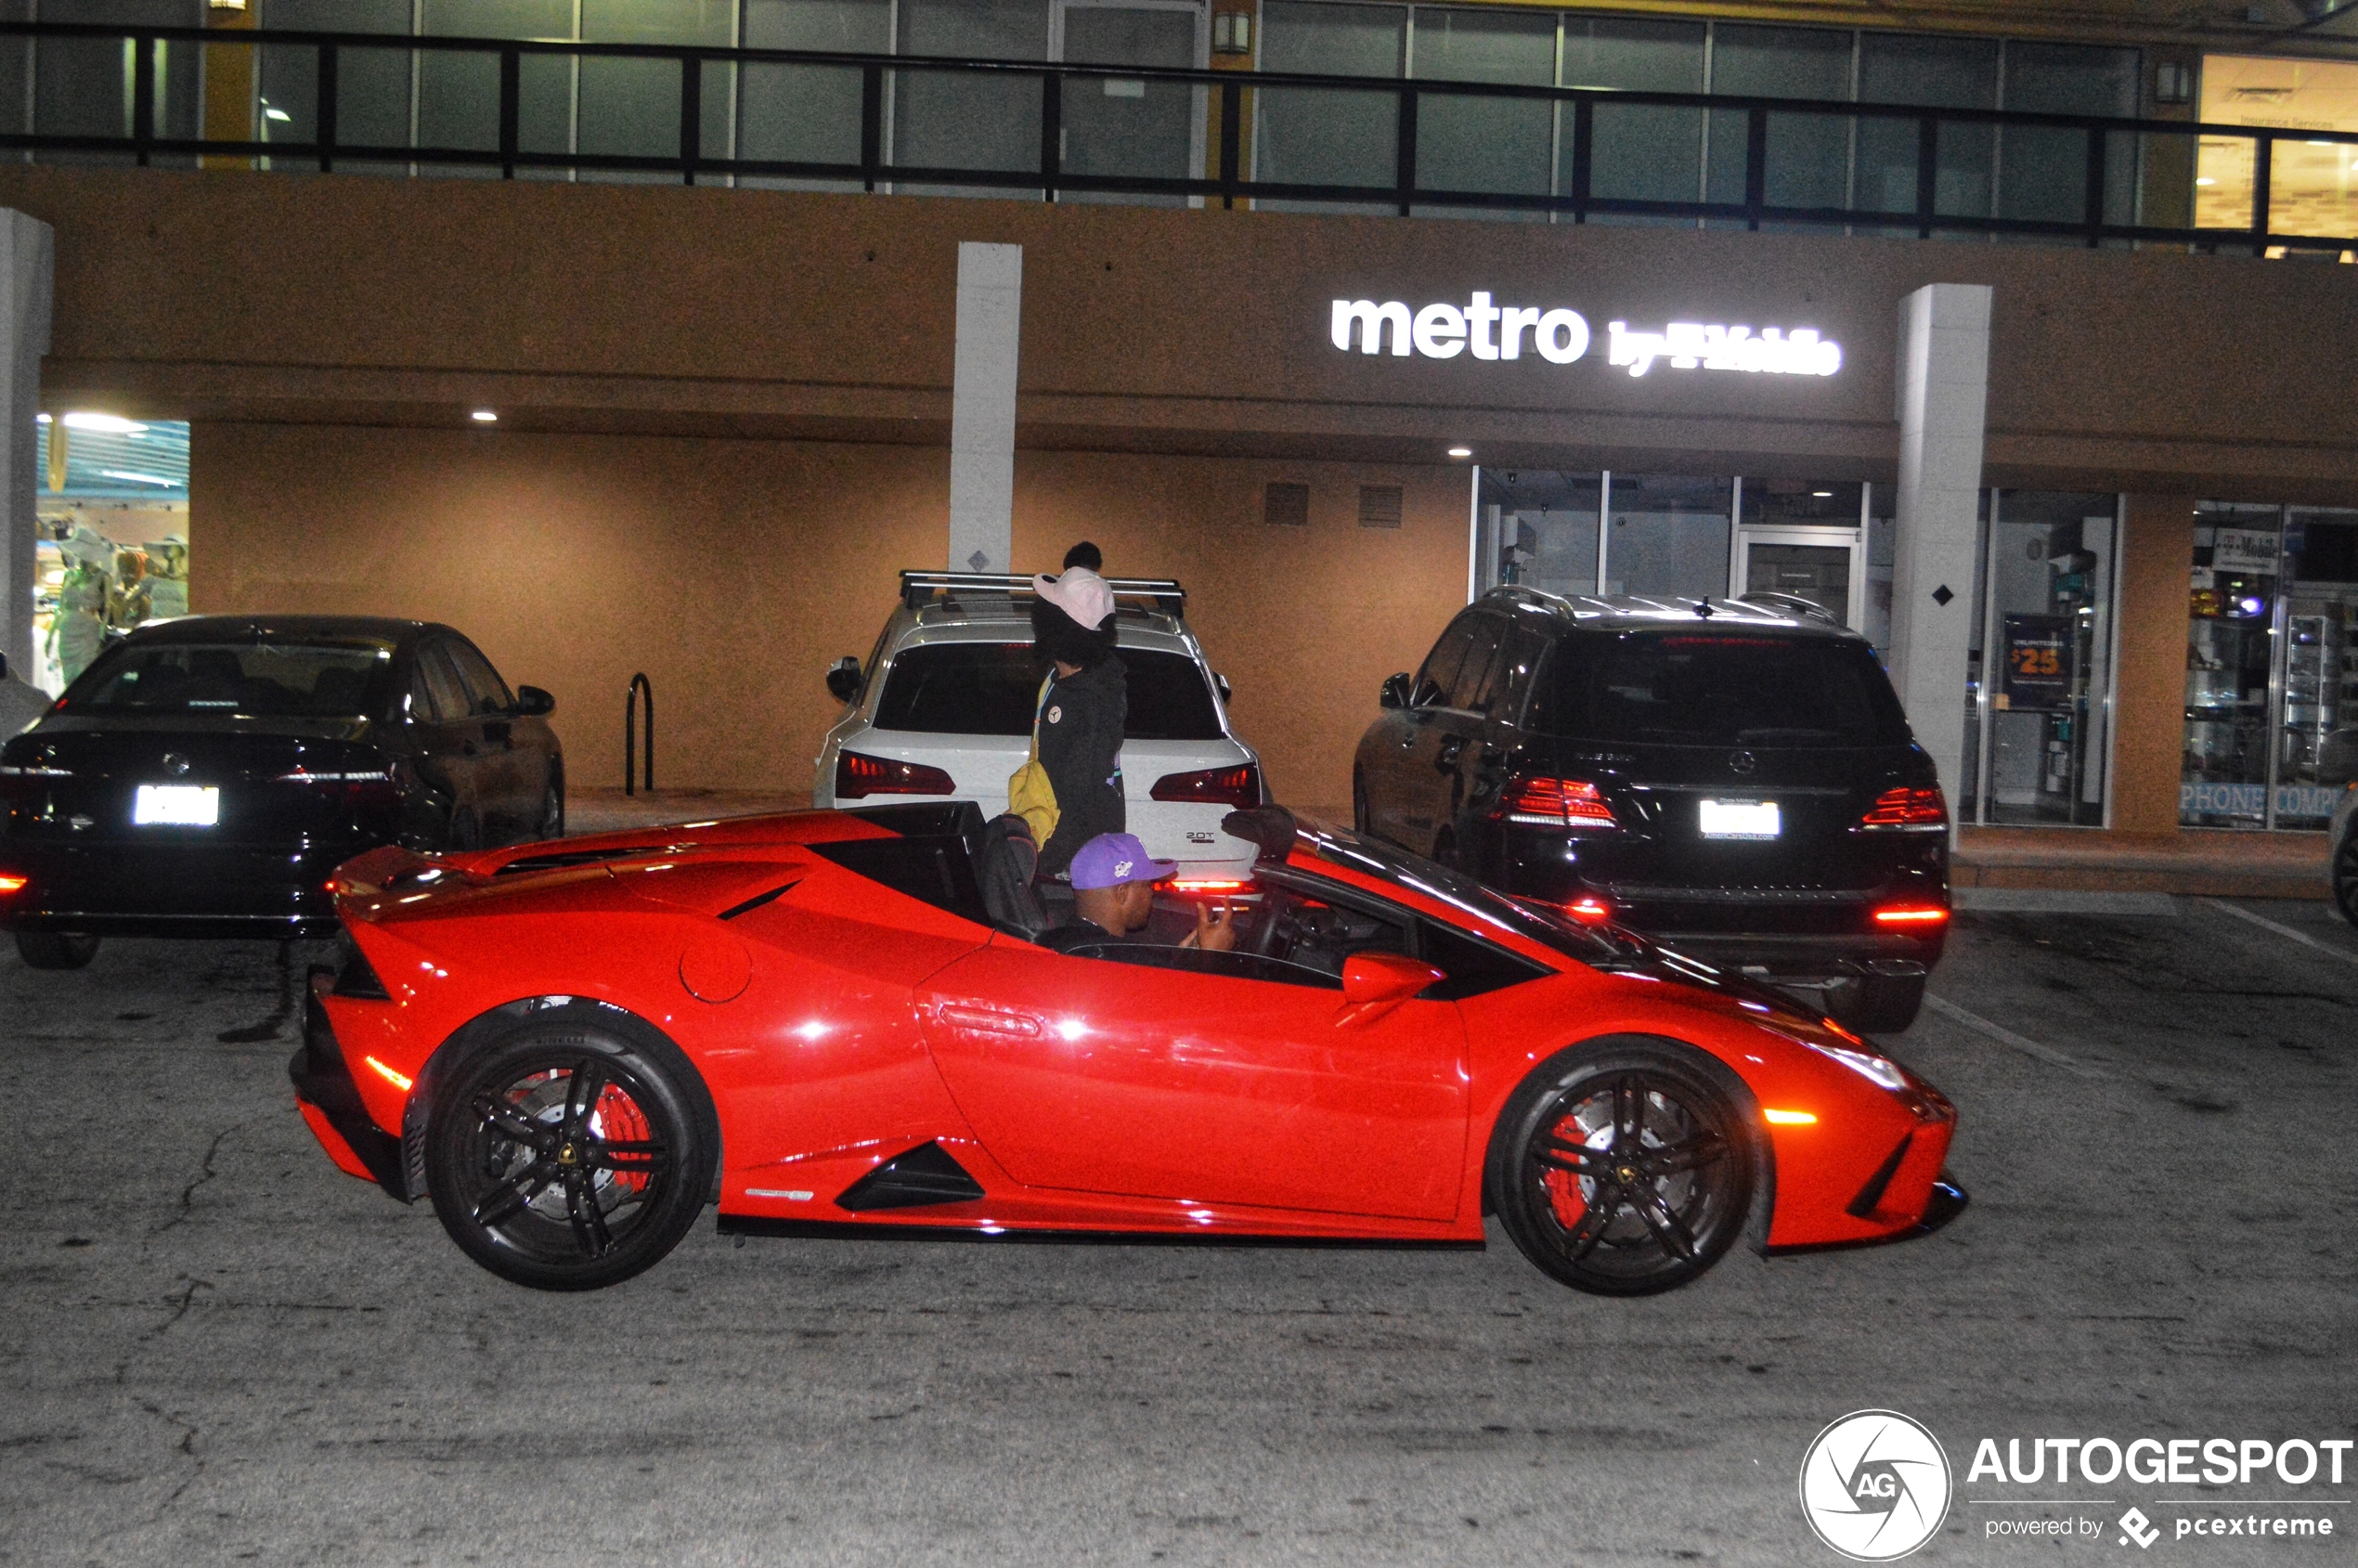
(205, 1172)
(180, 1304)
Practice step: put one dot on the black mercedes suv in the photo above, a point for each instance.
(1732, 778)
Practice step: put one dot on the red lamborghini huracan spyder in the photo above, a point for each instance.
(826, 1023)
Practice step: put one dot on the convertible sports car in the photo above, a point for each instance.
(817, 1022)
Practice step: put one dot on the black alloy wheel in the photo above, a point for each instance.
(566, 1156)
(1620, 1167)
(2346, 874)
(55, 950)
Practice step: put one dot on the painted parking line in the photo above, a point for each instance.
(2005, 1036)
(2284, 931)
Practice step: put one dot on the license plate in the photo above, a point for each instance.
(1740, 818)
(176, 806)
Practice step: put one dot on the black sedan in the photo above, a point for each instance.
(206, 776)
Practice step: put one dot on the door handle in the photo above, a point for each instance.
(1451, 749)
(989, 1021)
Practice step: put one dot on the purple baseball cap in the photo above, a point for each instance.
(1111, 858)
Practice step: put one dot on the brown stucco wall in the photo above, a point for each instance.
(653, 309)
(733, 571)
(2149, 713)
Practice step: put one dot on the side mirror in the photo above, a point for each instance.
(1220, 683)
(1395, 691)
(2338, 759)
(843, 679)
(534, 703)
(1374, 979)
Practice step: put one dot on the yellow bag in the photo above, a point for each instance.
(1029, 794)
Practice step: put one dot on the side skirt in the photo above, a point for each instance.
(854, 1230)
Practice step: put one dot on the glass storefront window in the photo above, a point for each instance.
(2046, 595)
(2230, 664)
(2313, 188)
(2272, 663)
(1669, 536)
(1484, 144)
(1539, 529)
(1318, 135)
(1648, 153)
(1936, 74)
(807, 112)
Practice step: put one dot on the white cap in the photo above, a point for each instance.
(1079, 593)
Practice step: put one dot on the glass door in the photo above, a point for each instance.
(1117, 126)
(2231, 674)
(2320, 660)
(1803, 541)
(2047, 594)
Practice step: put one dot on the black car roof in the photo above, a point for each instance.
(208, 629)
(1629, 611)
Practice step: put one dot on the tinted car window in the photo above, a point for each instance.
(1441, 666)
(441, 683)
(485, 692)
(987, 689)
(422, 706)
(1472, 689)
(323, 681)
(1688, 689)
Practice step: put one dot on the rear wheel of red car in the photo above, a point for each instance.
(55, 950)
(567, 1155)
(1621, 1167)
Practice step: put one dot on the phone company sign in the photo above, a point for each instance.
(1486, 330)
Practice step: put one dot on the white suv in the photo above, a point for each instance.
(943, 709)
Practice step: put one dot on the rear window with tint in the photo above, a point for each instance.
(987, 689)
(306, 680)
(1680, 689)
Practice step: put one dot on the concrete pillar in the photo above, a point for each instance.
(27, 257)
(1941, 399)
(982, 407)
(2149, 715)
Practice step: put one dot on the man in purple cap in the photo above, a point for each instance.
(1113, 891)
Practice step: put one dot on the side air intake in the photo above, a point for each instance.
(924, 1176)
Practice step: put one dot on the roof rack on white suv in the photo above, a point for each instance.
(919, 589)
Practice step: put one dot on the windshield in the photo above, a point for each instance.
(988, 688)
(290, 680)
(1532, 921)
(1719, 689)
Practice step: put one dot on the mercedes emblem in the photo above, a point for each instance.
(175, 764)
(1742, 762)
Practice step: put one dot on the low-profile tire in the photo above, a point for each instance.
(569, 1154)
(553, 813)
(56, 950)
(1621, 1168)
(2345, 875)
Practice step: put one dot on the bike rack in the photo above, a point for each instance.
(639, 687)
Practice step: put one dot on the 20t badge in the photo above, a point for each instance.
(1875, 1485)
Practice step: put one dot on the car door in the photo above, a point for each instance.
(508, 784)
(448, 738)
(1398, 774)
(1481, 740)
(1218, 1084)
(1457, 725)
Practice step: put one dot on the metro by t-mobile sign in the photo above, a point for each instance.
(1491, 332)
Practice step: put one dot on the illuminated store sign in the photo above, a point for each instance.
(1490, 332)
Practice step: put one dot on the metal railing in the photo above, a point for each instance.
(1225, 111)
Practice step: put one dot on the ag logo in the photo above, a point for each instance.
(1875, 1485)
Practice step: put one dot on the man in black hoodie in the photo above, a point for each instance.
(1083, 713)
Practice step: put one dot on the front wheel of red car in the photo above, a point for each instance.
(1621, 1168)
(566, 1155)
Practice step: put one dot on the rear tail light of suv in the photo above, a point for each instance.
(1238, 785)
(859, 775)
(1572, 804)
(1906, 811)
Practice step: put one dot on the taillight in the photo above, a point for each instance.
(1921, 918)
(859, 775)
(10, 883)
(1560, 803)
(1237, 786)
(1906, 811)
(1207, 887)
(1588, 910)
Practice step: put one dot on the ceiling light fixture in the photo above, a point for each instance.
(1823, 494)
(484, 416)
(105, 424)
(1461, 451)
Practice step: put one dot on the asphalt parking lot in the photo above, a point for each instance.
(216, 1348)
